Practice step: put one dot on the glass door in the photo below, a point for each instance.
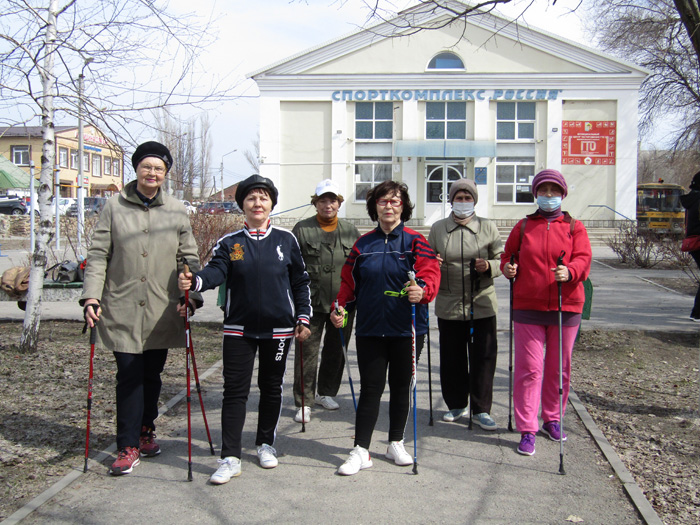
(438, 179)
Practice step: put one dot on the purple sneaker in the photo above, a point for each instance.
(553, 430)
(527, 444)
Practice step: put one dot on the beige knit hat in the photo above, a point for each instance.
(464, 185)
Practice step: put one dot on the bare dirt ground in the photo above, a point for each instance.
(44, 396)
(640, 387)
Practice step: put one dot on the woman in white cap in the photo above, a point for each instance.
(267, 304)
(130, 293)
(469, 250)
(537, 243)
(325, 241)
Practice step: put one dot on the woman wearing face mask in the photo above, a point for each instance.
(467, 369)
(536, 243)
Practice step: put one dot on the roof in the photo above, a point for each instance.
(585, 60)
(29, 131)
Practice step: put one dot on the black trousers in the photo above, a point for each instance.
(696, 307)
(464, 367)
(376, 355)
(138, 390)
(239, 359)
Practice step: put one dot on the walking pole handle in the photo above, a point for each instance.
(560, 260)
(412, 278)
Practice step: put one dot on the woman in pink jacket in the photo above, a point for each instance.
(536, 243)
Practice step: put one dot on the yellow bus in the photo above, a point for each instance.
(659, 209)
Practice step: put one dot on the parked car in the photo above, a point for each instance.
(92, 206)
(64, 203)
(218, 207)
(12, 205)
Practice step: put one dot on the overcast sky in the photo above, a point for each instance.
(253, 34)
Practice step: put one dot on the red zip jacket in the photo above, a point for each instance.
(542, 244)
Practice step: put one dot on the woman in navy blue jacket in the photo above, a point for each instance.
(379, 262)
(268, 302)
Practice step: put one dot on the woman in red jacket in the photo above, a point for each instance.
(536, 243)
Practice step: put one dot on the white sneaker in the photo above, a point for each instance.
(327, 402)
(397, 452)
(267, 456)
(229, 467)
(485, 421)
(307, 415)
(359, 460)
(455, 414)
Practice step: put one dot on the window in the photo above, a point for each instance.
(374, 129)
(86, 162)
(445, 120)
(446, 61)
(369, 175)
(96, 165)
(63, 157)
(74, 159)
(515, 121)
(374, 120)
(513, 180)
(108, 166)
(115, 167)
(20, 155)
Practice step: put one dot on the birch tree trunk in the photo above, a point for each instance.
(32, 316)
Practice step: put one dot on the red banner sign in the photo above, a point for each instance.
(588, 142)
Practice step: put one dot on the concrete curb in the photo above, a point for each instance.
(635, 494)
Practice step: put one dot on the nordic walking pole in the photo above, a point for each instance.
(185, 269)
(472, 280)
(301, 364)
(560, 262)
(430, 369)
(412, 279)
(345, 352)
(510, 354)
(190, 346)
(93, 339)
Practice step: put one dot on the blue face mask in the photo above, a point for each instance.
(548, 203)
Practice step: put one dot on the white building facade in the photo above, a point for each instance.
(483, 99)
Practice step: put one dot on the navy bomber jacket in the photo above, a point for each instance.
(267, 287)
(379, 262)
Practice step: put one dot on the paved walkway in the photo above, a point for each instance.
(463, 476)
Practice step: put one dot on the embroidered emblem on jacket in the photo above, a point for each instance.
(280, 255)
(237, 252)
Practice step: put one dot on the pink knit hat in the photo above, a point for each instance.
(549, 175)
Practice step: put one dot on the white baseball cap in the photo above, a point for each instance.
(327, 186)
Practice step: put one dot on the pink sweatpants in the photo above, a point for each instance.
(536, 372)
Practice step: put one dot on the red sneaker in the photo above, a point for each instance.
(127, 459)
(147, 443)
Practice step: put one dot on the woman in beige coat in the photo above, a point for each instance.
(461, 241)
(130, 293)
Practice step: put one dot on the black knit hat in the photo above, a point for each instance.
(252, 182)
(152, 149)
(695, 183)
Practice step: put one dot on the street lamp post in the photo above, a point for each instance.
(81, 204)
(221, 172)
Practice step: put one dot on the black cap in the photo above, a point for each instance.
(152, 149)
(695, 183)
(252, 182)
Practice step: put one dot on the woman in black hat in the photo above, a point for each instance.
(268, 302)
(130, 293)
(691, 203)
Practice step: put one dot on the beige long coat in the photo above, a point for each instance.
(457, 245)
(132, 267)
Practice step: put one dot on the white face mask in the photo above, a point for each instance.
(548, 203)
(462, 210)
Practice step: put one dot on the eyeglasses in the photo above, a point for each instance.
(158, 170)
(395, 203)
